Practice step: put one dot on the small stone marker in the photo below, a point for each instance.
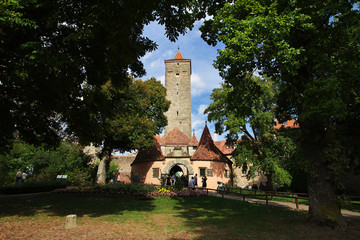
(70, 221)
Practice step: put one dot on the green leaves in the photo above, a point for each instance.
(311, 50)
(45, 164)
(248, 109)
(53, 52)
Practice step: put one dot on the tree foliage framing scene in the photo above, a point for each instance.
(311, 50)
(70, 69)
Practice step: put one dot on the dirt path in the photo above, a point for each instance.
(290, 205)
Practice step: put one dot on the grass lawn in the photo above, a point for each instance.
(106, 216)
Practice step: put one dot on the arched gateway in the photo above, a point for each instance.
(171, 164)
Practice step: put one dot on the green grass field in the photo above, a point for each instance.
(110, 216)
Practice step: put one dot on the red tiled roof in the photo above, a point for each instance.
(194, 141)
(175, 137)
(158, 137)
(288, 124)
(178, 56)
(225, 149)
(207, 150)
(152, 154)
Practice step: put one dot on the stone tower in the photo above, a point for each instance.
(178, 86)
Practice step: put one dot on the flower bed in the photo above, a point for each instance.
(138, 190)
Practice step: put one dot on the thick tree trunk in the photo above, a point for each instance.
(101, 172)
(323, 206)
(269, 184)
(103, 165)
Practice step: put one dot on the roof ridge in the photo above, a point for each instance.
(207, 150)
(175, 137)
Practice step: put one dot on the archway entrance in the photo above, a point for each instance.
(185, 166)
(180, 172)
(177, 171)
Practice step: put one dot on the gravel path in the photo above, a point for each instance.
(290, 205)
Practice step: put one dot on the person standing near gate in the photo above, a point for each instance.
(23, 177)
(173, 180)
(204, 181)
(195, 180)
(18, 177)
(192, 183)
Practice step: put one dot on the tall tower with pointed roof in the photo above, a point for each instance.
(178, 86)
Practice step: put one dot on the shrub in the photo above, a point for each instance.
(45, 164)
(111, 172)
(31, 187)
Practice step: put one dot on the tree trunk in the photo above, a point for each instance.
(269, 183)
(103, 165)
(101, 172)
(323, 206)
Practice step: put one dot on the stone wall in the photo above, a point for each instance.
(124, 163)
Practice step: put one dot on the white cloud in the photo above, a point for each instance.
(161, 79)
(156, 63)
(198, 86)
(147, 56)
(202, 108)
(198, 121)
(168, 54)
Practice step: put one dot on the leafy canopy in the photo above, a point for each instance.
(51, 52)
(311, 50)
(261, 148)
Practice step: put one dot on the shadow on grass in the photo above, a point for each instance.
(173, 218)
(57, 204)
(217, 218)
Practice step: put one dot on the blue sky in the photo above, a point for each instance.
(204, 76)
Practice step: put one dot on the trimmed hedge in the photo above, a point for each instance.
(31, 187)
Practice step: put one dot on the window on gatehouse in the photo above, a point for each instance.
(156, 172)
(202, 172)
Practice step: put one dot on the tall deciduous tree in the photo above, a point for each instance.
(249, 110)
(51, 50)
(311, 49)
(120, 119)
